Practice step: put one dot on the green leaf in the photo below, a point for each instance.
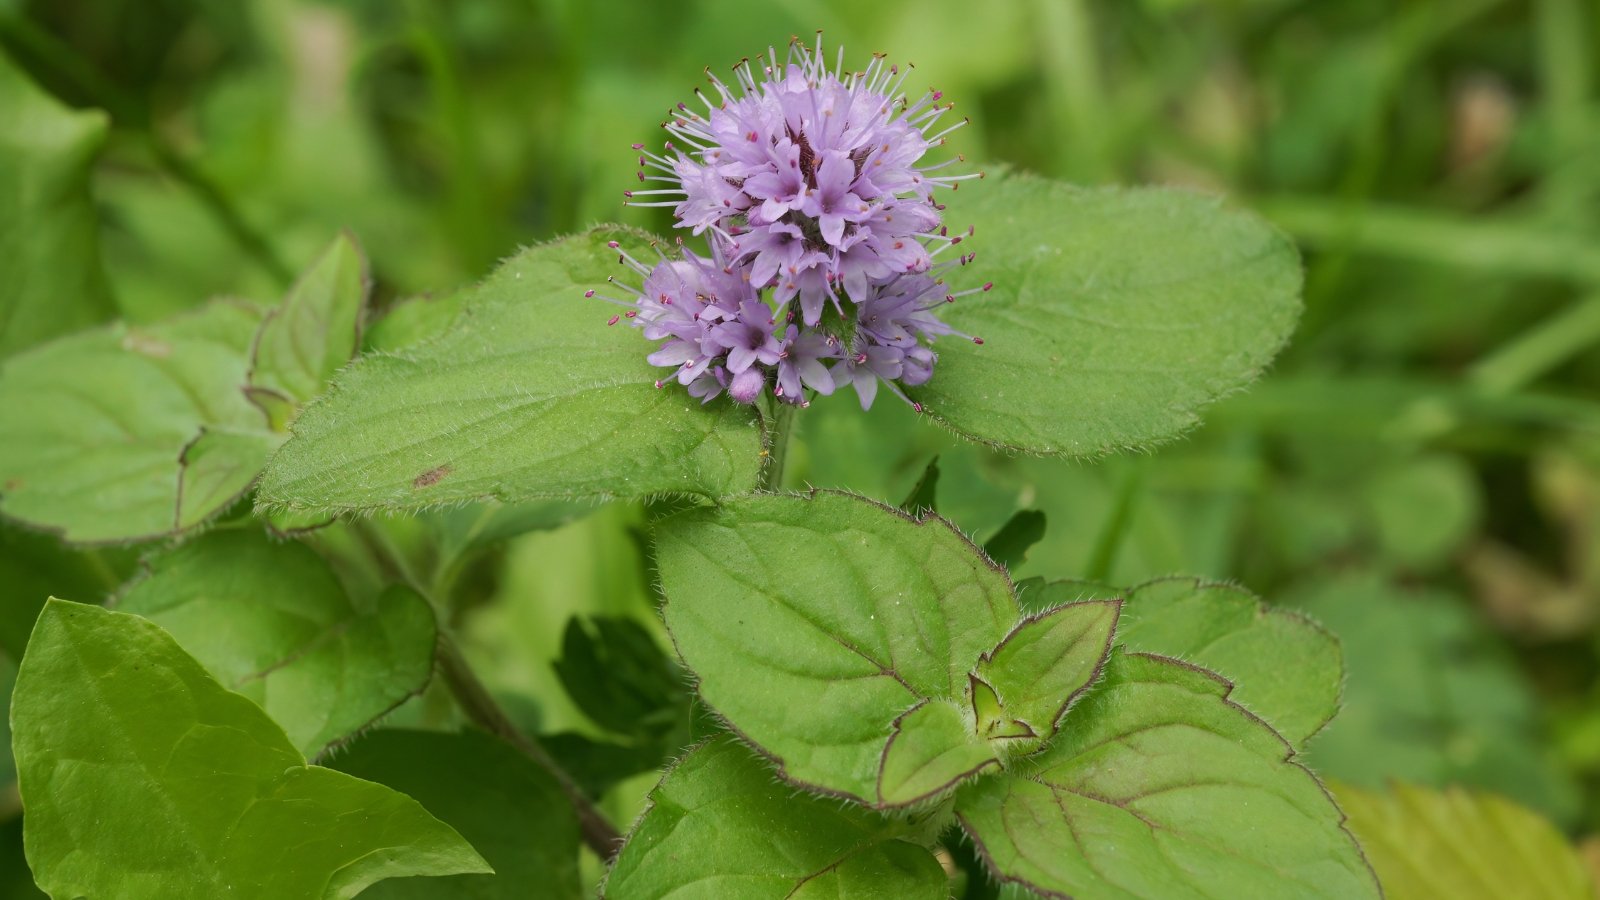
(192, 791)
(925, 493)
(461, 530)
(415, 320)
(1115, 315)
(1454, 844)
(98, 429)
(1040, 668)
(49, 236)
(1159, 786)
(841, 637)
(930, 748)
(511, 811)
(618, 676)
(1285, 667)
(270, 620)
(216, 469)
(528, 396)
(720, 826)
(316, 329)
(1010, 545)
(814, 622)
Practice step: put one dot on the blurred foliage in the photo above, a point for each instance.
(1421, 470)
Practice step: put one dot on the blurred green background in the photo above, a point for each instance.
(1421, 470)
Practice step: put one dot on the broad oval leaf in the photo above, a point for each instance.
(1159, 786)
(49, 236)
(529, 395)
(814, 622)
(841, 638)
(1453, 844)
(1285, 667)
(144, 778)
(720, 826)
(101, 428)
(270, 620)
(511, 810)
(1116, 314)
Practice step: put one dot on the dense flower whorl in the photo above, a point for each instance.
(809, 175)
(718, 334)
(807, 181)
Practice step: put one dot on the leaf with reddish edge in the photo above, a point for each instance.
(720, 826)
(1160, 786)
(840, 637)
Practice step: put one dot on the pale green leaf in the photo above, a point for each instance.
(97, 424)
(316, 329)
(216, 469)
(1285, 667)
(464, 529)
(814, 622)
(528, 396)
(1158, 786)
(720, 825)
(1453, 844)
(414, 320)
(930, 748)
(49, 236)
(145, 778)
(270, 620)
(1115, 314)
(1040, 668)
(510, 809)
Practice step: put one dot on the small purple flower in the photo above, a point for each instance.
(748, 337)
(808, 173)
(800, 365)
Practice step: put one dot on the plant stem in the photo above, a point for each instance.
(484, 712)
(783, 421)
(480, 706)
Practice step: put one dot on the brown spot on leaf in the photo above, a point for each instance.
(430, 477)
(13, 484)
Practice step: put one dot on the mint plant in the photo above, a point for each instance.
(276, 704)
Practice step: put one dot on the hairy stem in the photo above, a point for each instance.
(476, 700)
(783, 422)
(479, 706)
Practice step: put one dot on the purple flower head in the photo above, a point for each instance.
(892, 322)
(808, 174)
(716, 332)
